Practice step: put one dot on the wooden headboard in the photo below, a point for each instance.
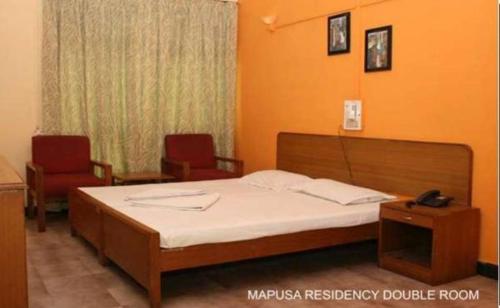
(397, 166)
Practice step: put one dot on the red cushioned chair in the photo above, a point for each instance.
(191, 157)
(59, 164)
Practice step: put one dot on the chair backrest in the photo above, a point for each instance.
(197, 149)
(61, 154)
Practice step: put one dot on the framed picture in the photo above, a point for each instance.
(378, 49)
(339, 34)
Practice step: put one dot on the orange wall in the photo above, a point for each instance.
(442, 87)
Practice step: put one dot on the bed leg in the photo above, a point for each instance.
(103, 260)
(155, 291)
(154, 271)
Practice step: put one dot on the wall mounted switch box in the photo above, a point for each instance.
(352, 115)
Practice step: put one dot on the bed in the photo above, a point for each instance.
(146, 245)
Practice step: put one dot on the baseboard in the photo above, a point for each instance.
(488, 270)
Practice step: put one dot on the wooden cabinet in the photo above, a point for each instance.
(433, 245)
(13, 276)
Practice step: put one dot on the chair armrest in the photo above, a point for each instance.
(108, 171)
(179, 169)
(32, 167)
(34, 178)
(238, 164)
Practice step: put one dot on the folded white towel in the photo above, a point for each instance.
(184, 203)
(161, 193)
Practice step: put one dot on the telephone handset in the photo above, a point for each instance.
(433, 198)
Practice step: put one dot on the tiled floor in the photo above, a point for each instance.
(64, 272)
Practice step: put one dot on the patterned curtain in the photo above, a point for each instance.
(127, 72)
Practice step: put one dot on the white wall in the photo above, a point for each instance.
(20, 86)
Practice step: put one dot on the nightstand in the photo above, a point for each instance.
(433, 245)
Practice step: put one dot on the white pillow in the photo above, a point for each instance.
(276, 180)
(340, 192)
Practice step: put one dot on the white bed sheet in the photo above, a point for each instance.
(243, 212)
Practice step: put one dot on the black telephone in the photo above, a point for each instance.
(433, 198)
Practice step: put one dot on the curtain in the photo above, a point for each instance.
(127, 72)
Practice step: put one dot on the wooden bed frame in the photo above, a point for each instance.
(402, 167)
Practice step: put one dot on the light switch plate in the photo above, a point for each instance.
(352, 115)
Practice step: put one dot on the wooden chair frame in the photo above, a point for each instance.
(181, 169)
(36, 193)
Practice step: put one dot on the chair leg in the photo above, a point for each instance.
(103, 260)
(73, 231)
(30, 209)
(40, 214)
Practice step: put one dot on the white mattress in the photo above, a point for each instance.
(243, 212)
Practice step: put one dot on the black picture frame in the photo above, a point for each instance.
(347, 35)
(372, 63)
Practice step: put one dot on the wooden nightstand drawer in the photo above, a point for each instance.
(407, 217)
